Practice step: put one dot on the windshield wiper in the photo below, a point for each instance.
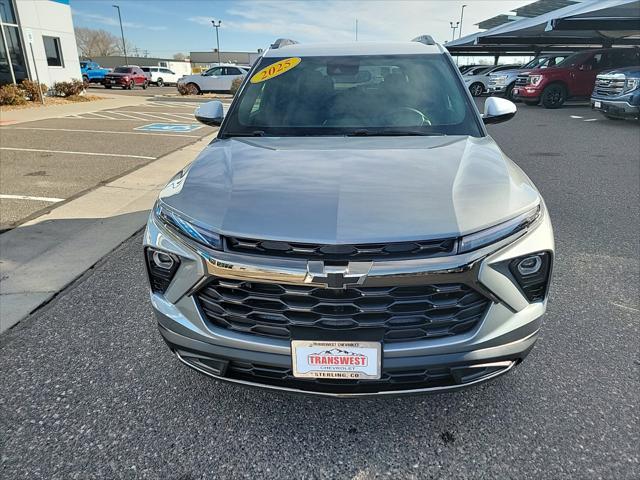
(255, 133)
(363, 132)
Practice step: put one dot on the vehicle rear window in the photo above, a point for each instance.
(339, 95)
(122, 70)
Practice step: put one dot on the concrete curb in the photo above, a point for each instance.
(41, 257)
(14, 117)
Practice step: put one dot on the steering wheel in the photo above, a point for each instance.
(401, 114)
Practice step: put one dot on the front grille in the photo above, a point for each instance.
(522, 80)
(390, 379)
(366, 251)
(609, 86)
(405, 313)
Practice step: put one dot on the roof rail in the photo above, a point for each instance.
(282, 42)
(426, 39)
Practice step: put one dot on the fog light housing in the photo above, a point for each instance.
(161, 267)
(532, 274)
(529, 265)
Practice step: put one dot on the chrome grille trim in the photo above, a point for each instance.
(610, 85)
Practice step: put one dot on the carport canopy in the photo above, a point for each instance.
(590, 22)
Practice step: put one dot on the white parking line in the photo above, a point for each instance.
(148, 113)
(77, 153)
(29, 197)
(128, 115)
(99, 131)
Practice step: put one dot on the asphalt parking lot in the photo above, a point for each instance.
(47, 162)
(89, 390)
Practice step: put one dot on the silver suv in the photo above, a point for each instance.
(352, 230)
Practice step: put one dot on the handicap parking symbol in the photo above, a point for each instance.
(170, 127)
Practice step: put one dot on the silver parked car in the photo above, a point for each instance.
(352, 230)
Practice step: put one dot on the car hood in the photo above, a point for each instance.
(351, 190)
(112, 74)
(629, 71)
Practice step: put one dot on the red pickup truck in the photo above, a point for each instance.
(575, 76)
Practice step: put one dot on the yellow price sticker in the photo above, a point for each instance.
(275, 69)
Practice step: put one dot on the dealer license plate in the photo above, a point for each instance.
(329, 359)
(597, 104)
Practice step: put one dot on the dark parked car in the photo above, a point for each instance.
(617, 93)
(573, 77)
(126, 77)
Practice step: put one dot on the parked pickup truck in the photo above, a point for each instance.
(575, 76)
(92, 72)
(617, 93)
(502, 83)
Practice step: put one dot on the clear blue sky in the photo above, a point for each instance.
(164, 27)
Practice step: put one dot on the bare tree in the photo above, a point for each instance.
(179, 56)
(99, 43)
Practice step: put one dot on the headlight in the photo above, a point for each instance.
(631, 84)
(501, 231)
(535, 79)
(187, 227)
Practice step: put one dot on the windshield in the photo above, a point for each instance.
(575, 59)
(83, 64)
(122, 70)
(363, 95)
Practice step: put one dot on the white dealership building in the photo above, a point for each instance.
(38, 41)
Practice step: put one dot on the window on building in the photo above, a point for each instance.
(6, 12)
(53, 51)
(15, 54)
(5, 71)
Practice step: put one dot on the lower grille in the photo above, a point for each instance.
(390, 380)
(405, 313)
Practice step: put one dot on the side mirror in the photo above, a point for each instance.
(210, 113)
(585, 67)
(498, 110)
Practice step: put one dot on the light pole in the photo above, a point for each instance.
(453, 28)
(461, 17)
(213, 22)
(124, 45)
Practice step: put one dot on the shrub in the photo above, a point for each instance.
(68, 89)
(182, 89)
(12, 95)
(32, 91)
(235, 85)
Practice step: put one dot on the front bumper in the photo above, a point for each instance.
(503, 337)
(527, 92)
(615, 108)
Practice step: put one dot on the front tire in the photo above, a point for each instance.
(131, 85)
(193, 89)
(476, 89)
(85, 81)
(160, 82)
(554, 96)
(145, 85)
(509, 92)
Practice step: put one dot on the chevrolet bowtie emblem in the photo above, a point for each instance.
(337, 276)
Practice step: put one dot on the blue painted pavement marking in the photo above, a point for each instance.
(170, 127)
